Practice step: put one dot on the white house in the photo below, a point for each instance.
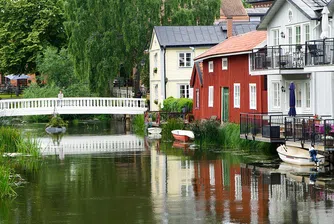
(172, 51)
(296, 52)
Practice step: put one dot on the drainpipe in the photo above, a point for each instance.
(163, 78)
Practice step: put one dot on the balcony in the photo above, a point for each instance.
(272, 60)
(319, 55)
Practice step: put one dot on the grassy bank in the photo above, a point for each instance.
(11, 141)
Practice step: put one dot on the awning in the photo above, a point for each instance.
(17, 77)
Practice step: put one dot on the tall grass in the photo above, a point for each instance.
(172, 124)
(11, 141)
(6, 182)
(138, 124)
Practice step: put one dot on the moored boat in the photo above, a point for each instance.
(154, 130)
(297, 156)
(55, 130)
(183, 135)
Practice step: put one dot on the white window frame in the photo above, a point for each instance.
(210, 66)
(183, 55)
(156, 92)
(197, 98)
(290, 16)
(298, 37)
(155, 60)
(224, 63)
(252, 96)
(275, 37)
(236, 94)
(307, 95)
(306, 32)
(210, 96)
(276, 94)
(186, 90)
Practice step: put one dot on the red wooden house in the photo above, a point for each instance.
(223, 86)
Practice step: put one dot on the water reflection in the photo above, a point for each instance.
(69, 145)
(224, 191)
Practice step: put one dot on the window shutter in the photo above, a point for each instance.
(210, 101)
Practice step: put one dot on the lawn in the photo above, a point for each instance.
(10, 96)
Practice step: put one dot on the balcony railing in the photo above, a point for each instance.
(320, 52)
(277, 127)
(281, 57)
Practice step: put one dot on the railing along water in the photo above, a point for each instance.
(39, 106)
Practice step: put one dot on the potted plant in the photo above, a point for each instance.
(155, 70)
(56, 125)
(317, 118)
(156, 102)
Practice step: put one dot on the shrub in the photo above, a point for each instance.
(57, 121)
(172, 124)
(172, 104)
(138, 124)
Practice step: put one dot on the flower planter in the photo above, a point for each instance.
(328, 142)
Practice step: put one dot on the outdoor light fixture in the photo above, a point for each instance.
(283, 89)
(282, 35)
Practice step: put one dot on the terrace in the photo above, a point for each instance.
(278, 128)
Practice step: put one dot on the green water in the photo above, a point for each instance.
(147, 181)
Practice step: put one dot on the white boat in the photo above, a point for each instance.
(154, 130)
(297, 156)
(55, 130)
(183, 135)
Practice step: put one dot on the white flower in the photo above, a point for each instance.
(328, 137)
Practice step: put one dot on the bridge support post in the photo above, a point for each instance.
(127, 122)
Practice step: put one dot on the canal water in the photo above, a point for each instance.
(98, 173)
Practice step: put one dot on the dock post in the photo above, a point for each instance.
(127, 122)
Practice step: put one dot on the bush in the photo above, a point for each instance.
(172, 104)
(138, 124)
(57, 122)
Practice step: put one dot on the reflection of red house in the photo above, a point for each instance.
(222, 84)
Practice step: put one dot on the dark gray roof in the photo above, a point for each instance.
(310, 8)
(256, 11)
(241, 27)
(177, 36)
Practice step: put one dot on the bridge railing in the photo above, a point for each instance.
(71, 102)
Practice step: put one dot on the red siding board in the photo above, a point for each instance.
(238, 72)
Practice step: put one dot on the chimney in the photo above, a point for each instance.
(229, 26)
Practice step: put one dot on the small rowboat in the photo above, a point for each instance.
(297, 156)
(183, 135)
(154, 130)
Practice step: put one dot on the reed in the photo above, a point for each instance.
(138, 125)
(8, 139)
(172, 124)
(6, 182)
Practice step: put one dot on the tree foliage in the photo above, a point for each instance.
(26, 27)
(107, 33)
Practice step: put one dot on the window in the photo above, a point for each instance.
(275, 38)
(298, 92)
(155, 60)
(236, 95)
(306, 32)
(224, 63)
(184, 91)
(210, 66)
(290, 16)
(197, 98)
(289, 31)
(210, 100)
(156, 92)
(252, 96)
(276, 94)
(185, 60)
(298, 39)
(308, 95)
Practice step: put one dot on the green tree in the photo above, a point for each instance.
(107, 33)
(246, 4)
(26, 27)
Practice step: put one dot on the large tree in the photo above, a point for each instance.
(26, 27)
(103, 34)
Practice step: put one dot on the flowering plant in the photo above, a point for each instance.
(328, 137)
(317, 117)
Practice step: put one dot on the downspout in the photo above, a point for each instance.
(163, 78)
(165, 81)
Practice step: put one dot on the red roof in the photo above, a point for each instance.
(235, 44)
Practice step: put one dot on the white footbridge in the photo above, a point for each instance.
(73, 145)
(88, 105)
